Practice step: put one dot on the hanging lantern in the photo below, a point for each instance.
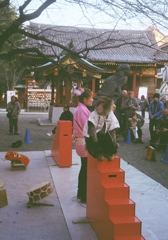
(55, 71)
(84, 74)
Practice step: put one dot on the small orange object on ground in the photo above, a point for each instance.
(18, 161)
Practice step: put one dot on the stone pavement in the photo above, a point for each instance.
(17, 222)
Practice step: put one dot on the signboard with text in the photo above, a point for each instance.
(9, 95)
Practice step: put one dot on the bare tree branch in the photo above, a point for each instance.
(9, 55)
(113, 8)
(23, 18)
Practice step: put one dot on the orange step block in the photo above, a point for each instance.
(109, 209)
(61, 149)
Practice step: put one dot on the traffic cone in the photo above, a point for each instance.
(165, 159)
(128, 138)
(27, 138)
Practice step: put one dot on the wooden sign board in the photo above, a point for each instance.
(151, 154)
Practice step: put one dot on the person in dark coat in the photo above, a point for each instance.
(162, 131)
(143, 105)
(14, 109)
(120, 111)
(66, 115)
(155, 114)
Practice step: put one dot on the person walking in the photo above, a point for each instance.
(13, 108)
(143, 105)
(155, 114)
(81, 116)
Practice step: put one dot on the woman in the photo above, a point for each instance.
(143, 105)
(81, 116)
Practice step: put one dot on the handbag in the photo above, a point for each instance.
(8, 115)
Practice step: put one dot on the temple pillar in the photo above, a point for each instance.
(58, 91)
(67, 91)
(134, 83)
(93, 86)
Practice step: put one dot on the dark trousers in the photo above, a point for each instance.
(163, 140)
(122, 121)
(152, 127)
(143, 113)
(54, 130)
(13, 125)
(82, 180)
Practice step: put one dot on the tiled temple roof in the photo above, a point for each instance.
(79, 61)
(138, 46)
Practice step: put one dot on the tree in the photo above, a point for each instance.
(10, 71)
(118, 10)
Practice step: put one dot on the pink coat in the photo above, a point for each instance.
(81, 116)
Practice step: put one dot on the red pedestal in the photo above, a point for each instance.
(109, 209)
(62, 145)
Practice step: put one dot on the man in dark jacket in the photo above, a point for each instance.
(66, 115)
(162, 131)
(155, 114)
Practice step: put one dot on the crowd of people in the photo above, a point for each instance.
(108, 120)
(126, 112)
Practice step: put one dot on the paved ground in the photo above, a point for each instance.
(134, 154)
(17, 222)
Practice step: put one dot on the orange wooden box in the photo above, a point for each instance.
(62, 145)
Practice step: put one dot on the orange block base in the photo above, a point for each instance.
(109, 209)
(62, 145)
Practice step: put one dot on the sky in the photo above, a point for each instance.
(62, 13)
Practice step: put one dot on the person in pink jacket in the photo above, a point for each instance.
(81, 116)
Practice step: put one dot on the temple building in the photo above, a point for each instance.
(91, 55)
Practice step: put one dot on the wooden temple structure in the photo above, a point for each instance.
(101, 51)
(67, 74)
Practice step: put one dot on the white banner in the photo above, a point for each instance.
(9, 95)
(143, 91)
